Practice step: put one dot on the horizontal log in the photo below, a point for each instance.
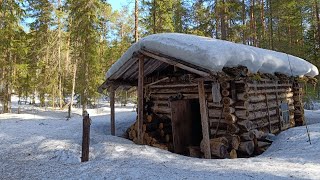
(242, 96)
(176, 90)
(159, 96)
(241, 104)
(269, 91)
(217, 112)
(259, 98)
(223, 127)
(214, 105)
(257, 114)
(173, 86)
(161, 109)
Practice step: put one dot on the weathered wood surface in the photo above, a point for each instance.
(112, 112)
(140, 98)
(85, 138)
(181, 125)
(204, 121)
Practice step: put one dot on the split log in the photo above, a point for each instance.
(228, 110)
(259, 134)
(218, 149)
(227, 101)
(247, 147)
(225, 93)
(245, 125)
(230, 118)
(149, 118)
(262, 144)
(234, 141)
(233, 154)
(248, 136)
(225, 85)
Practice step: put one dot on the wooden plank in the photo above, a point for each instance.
(112, 113)
(204, 121)
(124, 68)
(181, 115)
(140, 98)
(174, 63)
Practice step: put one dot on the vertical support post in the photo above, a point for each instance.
(112, 113)
(204, 121)
(140, 98)
(85, 137)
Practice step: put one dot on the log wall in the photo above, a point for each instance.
(240, 113)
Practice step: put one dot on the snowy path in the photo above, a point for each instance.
(46, 146)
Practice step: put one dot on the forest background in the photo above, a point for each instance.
(58, 50)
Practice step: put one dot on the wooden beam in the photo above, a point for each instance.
(174, 62)
(125, 67)
(140, 98)
(156, 82)
(204, 121)
(112, 114)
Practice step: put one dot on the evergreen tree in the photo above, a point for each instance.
(10, 30)
(84, 17)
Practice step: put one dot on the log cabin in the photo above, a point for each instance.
(209, 98)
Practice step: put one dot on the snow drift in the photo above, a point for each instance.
(214, 54)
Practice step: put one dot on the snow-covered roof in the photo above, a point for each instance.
(213, 54)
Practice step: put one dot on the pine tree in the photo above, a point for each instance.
(10, 15)
(84, 33)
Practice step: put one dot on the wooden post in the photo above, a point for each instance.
(112, 113)
(204, 121)
(85, 137)
(69, 111)
(140, 98)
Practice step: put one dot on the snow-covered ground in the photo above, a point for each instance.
(42, 144)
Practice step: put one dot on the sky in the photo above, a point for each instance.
(117, 4)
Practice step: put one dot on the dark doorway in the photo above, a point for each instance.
(186, 125)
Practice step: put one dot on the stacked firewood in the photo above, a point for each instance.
(156, 132)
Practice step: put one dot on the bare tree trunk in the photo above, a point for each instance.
(223, 20)
(59, 58)
(73, 83)
(252, 23)
(154, 16)
(136, 21)
(263, 24)
(244, 22)
(317, 17)
(270, 25)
